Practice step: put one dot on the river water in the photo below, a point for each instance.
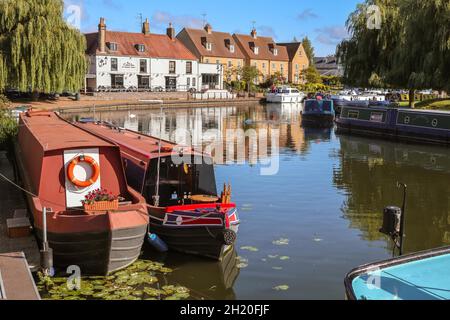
(305, 227)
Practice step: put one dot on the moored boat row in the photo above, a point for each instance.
(96, 187)
(397, 123)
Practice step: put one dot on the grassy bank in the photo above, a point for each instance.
(435, 104)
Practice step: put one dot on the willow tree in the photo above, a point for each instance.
(39, 51)
(409, 49)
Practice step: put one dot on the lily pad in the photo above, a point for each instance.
(281, 242)
(249, 248)
(281, 288)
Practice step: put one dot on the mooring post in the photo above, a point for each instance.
(46, 252)
(402, 219)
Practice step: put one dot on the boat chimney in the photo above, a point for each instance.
(102, 36)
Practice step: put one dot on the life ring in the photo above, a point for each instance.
(95, 171)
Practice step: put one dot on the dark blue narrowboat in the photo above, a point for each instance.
(318, 113)
(419, 276)
(428, 126)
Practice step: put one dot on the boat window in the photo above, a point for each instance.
(178, 182)
(376, 117)
(352, 114)
(327, 106)
(312, 105)
(295, 91)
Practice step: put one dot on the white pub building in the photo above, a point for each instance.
(125, 61)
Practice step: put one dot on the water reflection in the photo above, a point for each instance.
(327, 200)
(368, 172)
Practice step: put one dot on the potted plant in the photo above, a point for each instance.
(100, 200)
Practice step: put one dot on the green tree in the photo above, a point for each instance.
(250, 74)
(8, 125)
(411, 49)
(309, 49)
(312, 75)
(39, 51)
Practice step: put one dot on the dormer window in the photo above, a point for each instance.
(113, 46)
(256, 50)
(231, 48)
(275, 52)
(209, 46)
(140, 48)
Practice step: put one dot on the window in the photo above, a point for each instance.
(230, 64)
(256, 50)
(263, 65)
(239, 64)
(189, 67)
(193, 82)
(296, 66)
(206, 60)
(143, 82)
(114, 64)
(231, 48)
(209, 46)
(140, 47)
(188, 82)
(217, 61)
(275, 52)
(274, 66)
(143, 66)
(172, 67)
(353, 114)
(376, 117)
(117, 80)
(113, 46)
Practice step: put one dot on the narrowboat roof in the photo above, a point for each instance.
(145, 145)
(420, 276)
(54, 133)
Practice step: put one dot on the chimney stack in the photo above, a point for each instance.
(102, 36)
(171, 31)
(253, 33)
(146, 27)
(208, 28)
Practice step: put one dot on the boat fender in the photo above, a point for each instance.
(95, 171)
(228, 237)
(157, 243)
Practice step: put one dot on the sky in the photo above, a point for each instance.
(323, 21)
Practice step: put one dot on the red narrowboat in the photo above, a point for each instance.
(188, 215)
(61, 165)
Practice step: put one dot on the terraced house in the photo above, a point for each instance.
(215, 47)
(145, 61)
(298, 61)
(263, 53)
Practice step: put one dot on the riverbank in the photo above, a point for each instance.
(66, 105)
(12, 203)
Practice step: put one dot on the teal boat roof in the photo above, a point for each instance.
(423, 279)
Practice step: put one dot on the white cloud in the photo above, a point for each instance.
(307, 14)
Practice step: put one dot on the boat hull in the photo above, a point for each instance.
(318, 120)
(97, 242)
(397, 124)
(203, 239)
(418, 276)
(96, 253)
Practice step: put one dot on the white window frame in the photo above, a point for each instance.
(209, 46)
